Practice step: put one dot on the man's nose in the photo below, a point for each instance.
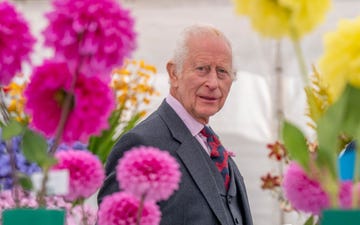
(212, 79)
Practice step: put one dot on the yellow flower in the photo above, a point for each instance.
(280, 18)
(340, 63)
(16, 101)
(133, 88)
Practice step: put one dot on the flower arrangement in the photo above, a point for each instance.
(279, 20)
(70, 110)
(312, 181)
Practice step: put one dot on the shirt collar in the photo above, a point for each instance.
(193, 125)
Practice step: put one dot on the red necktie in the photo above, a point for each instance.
(218, 154)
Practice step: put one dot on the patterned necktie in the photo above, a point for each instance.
(218, 154)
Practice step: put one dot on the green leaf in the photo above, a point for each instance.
(101, 145)
(343, 117)
(295, 143)
(13, 128)
(25, 181)
(310, 220)
(132, 122)
(35, 149)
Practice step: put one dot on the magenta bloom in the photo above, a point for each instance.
(85, 170)
(96, 35)
(16, 42)
(92, 104)
(304, 194)
(149, 171)
(121, 208)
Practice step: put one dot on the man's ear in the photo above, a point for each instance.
(171, 69)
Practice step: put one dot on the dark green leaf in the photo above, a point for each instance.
(295, 143)
(25, 181)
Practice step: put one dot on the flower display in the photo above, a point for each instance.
(92, 102)
(283, 18)
(340, 63)
(92, 36)
(149, 172)
(122, 208)
(332, 101)
(85, 171)
(77, 100)
(16, 42)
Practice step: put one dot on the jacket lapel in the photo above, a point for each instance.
(193, 159)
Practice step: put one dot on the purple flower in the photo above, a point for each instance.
(16, 42)
(148, 171)
(21, 164)
(91, 34)
(122, 208)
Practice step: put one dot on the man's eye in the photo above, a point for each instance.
(222, 73)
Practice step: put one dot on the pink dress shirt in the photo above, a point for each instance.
(194, 126)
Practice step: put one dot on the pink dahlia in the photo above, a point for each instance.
(16, 42)
(91, 34)
(148, 171)
(92, 104)
(85, 170)
(121, 208)
(304, 193)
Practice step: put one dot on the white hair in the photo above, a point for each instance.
(182, 48)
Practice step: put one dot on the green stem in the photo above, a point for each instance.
(15, 191)
(140, 210)
(299, 55)
(84, 215)
(66, 109)
(301, 61)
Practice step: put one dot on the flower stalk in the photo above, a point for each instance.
(141, 208)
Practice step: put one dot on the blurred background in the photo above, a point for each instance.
(249, 120)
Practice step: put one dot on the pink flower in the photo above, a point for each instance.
(346, 194)
(85, 170)
(6, 200)
(92, 104)
(16, 42)
(96, 35)
(303, 193)
(121, 208)
(149, 171)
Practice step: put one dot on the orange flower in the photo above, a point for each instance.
(277, 150)
(269, 182)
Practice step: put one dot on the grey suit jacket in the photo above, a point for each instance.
(197, 202)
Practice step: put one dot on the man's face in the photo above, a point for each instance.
(206, 77)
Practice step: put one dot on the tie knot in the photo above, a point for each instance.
(207, 132)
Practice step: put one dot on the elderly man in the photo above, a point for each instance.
(212, 190)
